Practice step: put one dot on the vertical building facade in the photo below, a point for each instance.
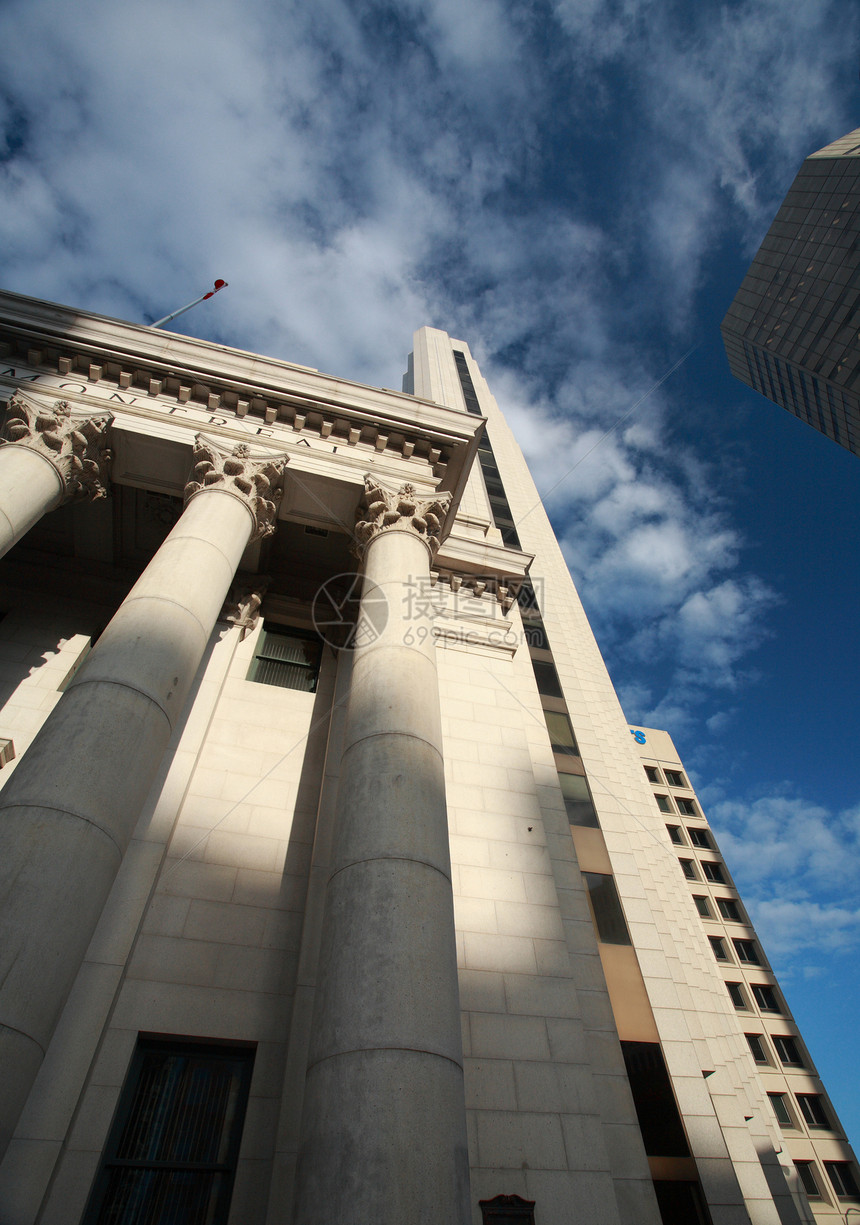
(333, 886)
(791, 331)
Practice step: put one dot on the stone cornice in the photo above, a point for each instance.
(134, 359)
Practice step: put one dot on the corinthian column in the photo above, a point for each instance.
(68, 810)
(384, 1125)
(47, 457)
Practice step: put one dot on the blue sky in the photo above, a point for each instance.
(576, 188)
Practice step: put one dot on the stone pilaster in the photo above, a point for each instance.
(68, 811)
(48, 456)
(387, 1006)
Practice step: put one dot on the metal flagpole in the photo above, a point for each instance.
(218, 285)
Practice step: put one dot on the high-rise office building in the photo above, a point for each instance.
(333, 887)
(791, 331)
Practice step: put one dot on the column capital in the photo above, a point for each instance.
(256, 481)
(75, 446)
(382, 509)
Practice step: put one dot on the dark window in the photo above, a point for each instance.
(729, 909)
(806, 1174)
(674, 778)
(688, 869)
(765, 997)
(675, 834)
(812, 1110)
(577, 800)
(663, 803)
(787, 1050)
(713, 872)
(703, 907)
(659, 1120)
(736, 995)
(680, 1202)
(653, 774)
(288, 658)
(777, 1100)
(606, 908)
(699, 837)
(756, 1046)
(687, 807)
(507, 1210)
(747, 952)
(718, 947)
(171, 1153)
(842, 1177)
(547, 679)
(560, 733)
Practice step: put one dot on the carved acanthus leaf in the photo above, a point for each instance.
(74, 444)
(258, 482)
(382, 509)
(242, 606)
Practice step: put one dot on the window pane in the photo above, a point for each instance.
(747, 952)
(719, 948)
(674, 778)
(663, 803)
(171, 1154)
(653, 774)
(736, 995)
(286, 659)
(560, 733)
(713, 872)
(577, 800)
(687, 807)
(687, 868)
(787, 1050)
(675, 834)
(765, 997)
(656, 1109)
(806, 1175)
(547, 679)
(757, 1048)
(841, 1176)
(729, 909)
(703, 907)
(606, 908)
(777, 1100)
(812, 1110)
(699, 837)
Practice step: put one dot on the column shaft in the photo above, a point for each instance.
(383, 1133)
(31, 486)
(69, 809)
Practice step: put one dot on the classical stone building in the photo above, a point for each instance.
(333, 887)
(791, 331)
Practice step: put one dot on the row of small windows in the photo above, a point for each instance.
(673, 777)
(763, 994)
(746, 950)
(686, 807)
(502, 516)
(809, 1104)
(710, 870)
(786, 1048)
(698, 837)
(728, 908)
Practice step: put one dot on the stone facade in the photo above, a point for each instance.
(320, 790)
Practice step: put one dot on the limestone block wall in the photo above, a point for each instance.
(549, 1109)
(200, 937)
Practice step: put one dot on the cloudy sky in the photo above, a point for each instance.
(576, 188)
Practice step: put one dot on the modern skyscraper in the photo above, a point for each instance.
(791, 331)
(333, 887)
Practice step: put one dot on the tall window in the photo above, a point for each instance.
(577, 800)
(756, 1046)
(806, 1174)
(560, 733)
(812, 1110)
(606, 908)
(842, 1177)
(288, 658)
(171, 1153)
